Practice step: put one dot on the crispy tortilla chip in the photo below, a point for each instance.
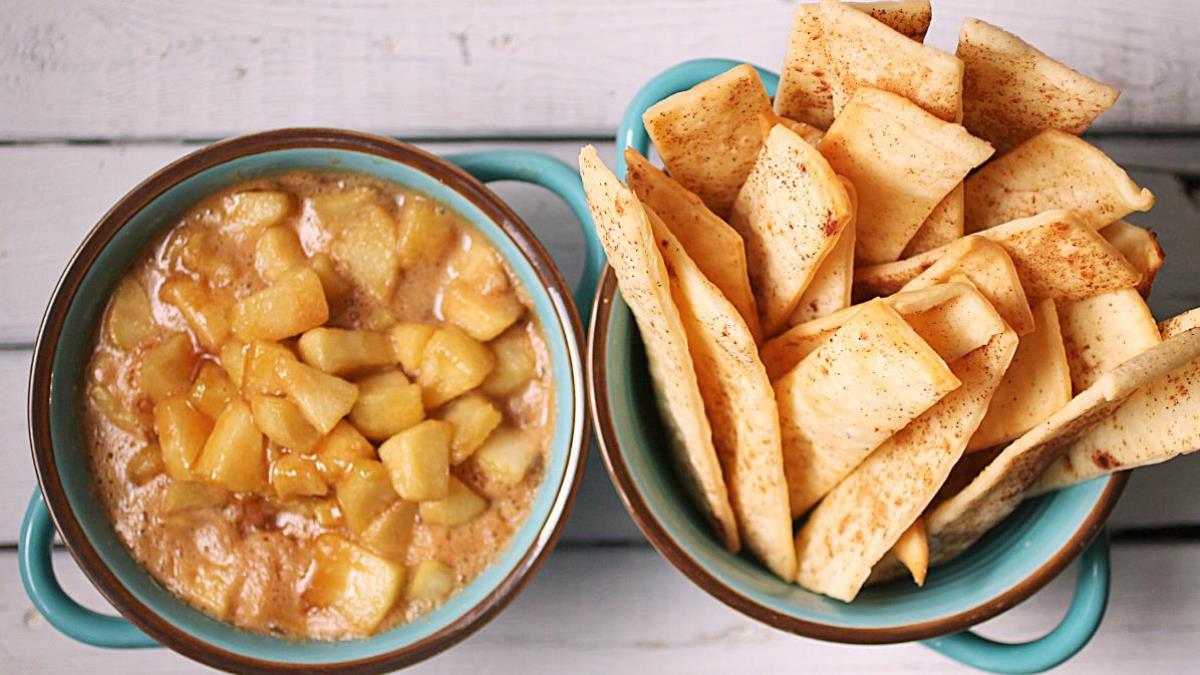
(953, 318)
(1159, 422)
(790, 213)
(912, 550)
(1104, 330)
(1036, 384)
(740, 405)
(1052, 170)
(624, 230)
(961, 520)
(903, 162)
(864, 516)
(1011, 91)
(867, 381)
(943, 226)
(803, 92)
(829, 290)
(716, 247)
(991, 270)
(865, 52)
(808, 132)
(688, 128)
(1140, 247)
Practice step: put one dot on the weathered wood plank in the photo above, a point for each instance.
(203, 70)
(596, 608)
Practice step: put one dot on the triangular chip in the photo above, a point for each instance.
(1052, 170)
(991, 270)
(740, 405)
(873, 376)
(1160, 421)
(865, 52)
(952, 318)
(1140, 247)
(688, 128)
(803, 92)
(808, 132)
(624, 230)
(902, 160)
(790, 213)
(716, 247)
(912, 550)
(1011, 91)
(943, 226)
(1036, 384)
(864, 516)
(961, 520)
(829, 290)
(1104, 330)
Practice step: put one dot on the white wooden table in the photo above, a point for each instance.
(95, 96)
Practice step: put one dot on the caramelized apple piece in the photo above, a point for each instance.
(130, 320)
(505, 457)
(335, 285)
(408, 344)
(277, 252)
(431, 580)
(288, 307)
(459, 507)
(167, 367)
(297, 476)
(339, 351)
(282, 422)
(203, 315)
(261, 368)
(360, 585)
(323, 398)
(515, 363)
(426, 231)
(387, 404)
(211, 390)
(182, 431)
(145, 465)
(233, 359)
(183, 495)
(391, 531)
(453, 363)
(253, 211)
(482, 315)
(364, 238)
(474, 417)
(338, 449)
(418, 460)
(234, 456)
(363, 493)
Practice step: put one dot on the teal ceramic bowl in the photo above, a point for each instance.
(1013, 561)
(66, 502)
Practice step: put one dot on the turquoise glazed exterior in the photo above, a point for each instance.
(1009, 564)
(65, 468)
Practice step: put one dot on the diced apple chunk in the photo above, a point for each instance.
(295, 475)
(211, 390)
(426, 230)
(482, 315)
(339, 448)
(387, 404)
(391, 531)
(167, 367)
(288, 307)
(233, 359)
(130, 319)
(261, 368)
(515, 363)
(418, 460)
(185, 495)
(253, 211)
(234, 456)
(360, 585)
(213, 587)
(505, 457)
(408, 344)
(107, 404)
(481, 266)
(324, 399)
(283, 423)
(431, 580)
(327, 512)
(474, 417)
(182, 431)
(459, 507)
(203, 315)
(144, 465)
(339, 351)
(364, 238)
(277, 252)
(453, 363)
(335, 285)
(363, 493)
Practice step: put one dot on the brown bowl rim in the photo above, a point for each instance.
(68, 526)
(618, 471)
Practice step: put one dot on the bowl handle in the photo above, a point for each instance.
(556, 176)
(69, 617)
(1044, 653)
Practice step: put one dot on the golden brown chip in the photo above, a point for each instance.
(962, 519)
(1011, 91)
(864, 516)
(790, 213)
(1052, 170)
(804, 92)
(1140, 247)
(865, 52)
(943, 226)
(1036, 384)
(708, 136)
(902, 160)
(1104, 330)
(740, 405)
(716, 247)
(829, 290)
(624, 230)
(990, 269)
(912, 550)
(867, 381)
(808, 132)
